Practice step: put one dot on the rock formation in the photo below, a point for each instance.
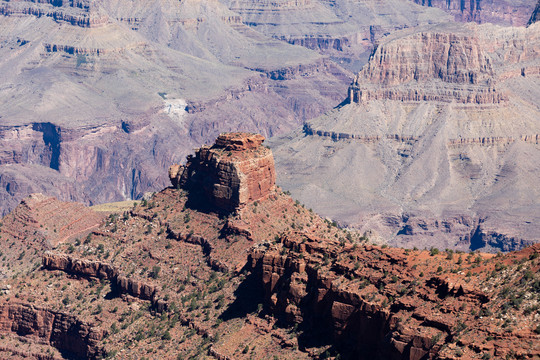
(440, 128)
(75, 338)
(236, 170)
(362, 299)
(451, 66)
(97, 269)
(270, 279)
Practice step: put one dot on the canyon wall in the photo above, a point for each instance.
(438, 128)
(75, 338)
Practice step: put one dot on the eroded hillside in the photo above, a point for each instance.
(437, 144)
(257, 278)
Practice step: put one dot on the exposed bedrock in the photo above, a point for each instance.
(236, 170)
(441, 128)
(75, 338)
(331, 292)
(101, 270)
(453, 67)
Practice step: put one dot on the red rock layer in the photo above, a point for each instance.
(237, 170)
(87, 268)
(371, 299)
(60, 330)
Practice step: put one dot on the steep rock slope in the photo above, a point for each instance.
(439, 139)
(269, 279)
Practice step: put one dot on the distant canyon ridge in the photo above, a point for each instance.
(437, 144)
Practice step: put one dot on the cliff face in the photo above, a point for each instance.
(372, 304)
(65, 332)
(450, 67)
(97, 269)
(236, 170)
(435, 144)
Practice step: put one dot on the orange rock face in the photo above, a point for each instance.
(236, 170)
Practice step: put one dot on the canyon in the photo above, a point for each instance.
(100, 96)
(267, 278)
(434, 145)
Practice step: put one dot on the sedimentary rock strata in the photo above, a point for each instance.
(97, 269)
(440, 125)
(63, 331)
(236, 170)
(365, 300)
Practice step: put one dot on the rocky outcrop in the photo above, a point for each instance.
(98, 269)
(300, 293)
(372, 302)
(236, 170)
(73, 337)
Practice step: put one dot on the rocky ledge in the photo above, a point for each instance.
(389, 303)
(77, 339)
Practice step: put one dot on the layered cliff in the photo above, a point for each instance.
(440, 128)
(236, 170)
(363, 301)
(74, 338)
